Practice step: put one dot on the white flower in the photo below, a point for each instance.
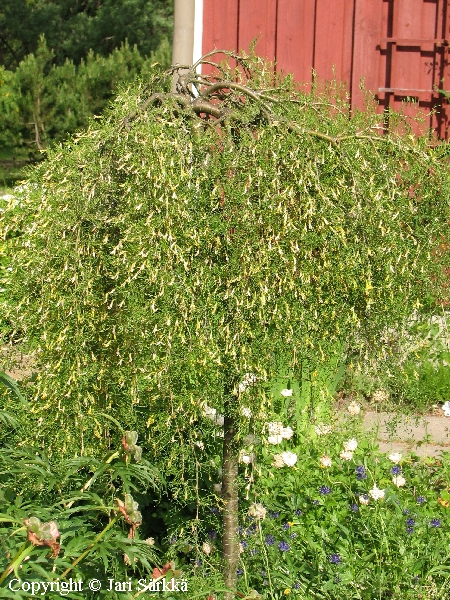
(286, 393)
(364, 500)
(217, 487)
(246, 412)
(207, 548)
(289, 458)
(287, 433)
(275, 439)
(376, 493)
(325, 461)
(209, 412)
(351, 445)
(249, 378)
(446, 409)
(275, 428)
(257, 511)
(380, 396)
(346, 455)
(219, 420)
(322, 429)
(399, 480)
(278, 461)
(201, 445)
(150, 541)
(246, 458)
(395, 457)
(354, 408)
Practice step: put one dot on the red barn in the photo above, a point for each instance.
(398, 47)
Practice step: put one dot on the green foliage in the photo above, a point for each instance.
(9, 109)
(154, 270)
(49, 498)
(388, 548)
(8, 382)
(172, 263)
(74, 28)
(414, 371)
(392, 547)
(43, 101)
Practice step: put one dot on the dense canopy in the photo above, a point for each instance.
(183, 241)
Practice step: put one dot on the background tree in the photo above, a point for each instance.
(72, 29)
(186, 247)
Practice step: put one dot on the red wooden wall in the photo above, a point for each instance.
(399, 47)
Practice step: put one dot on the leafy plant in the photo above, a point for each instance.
(87, 523)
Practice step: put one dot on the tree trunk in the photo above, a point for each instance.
(230, 495)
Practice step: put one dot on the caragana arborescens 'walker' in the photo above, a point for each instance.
(187, 239)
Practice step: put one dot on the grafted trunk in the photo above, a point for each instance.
(230, 513)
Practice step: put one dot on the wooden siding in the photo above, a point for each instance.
(399, 48)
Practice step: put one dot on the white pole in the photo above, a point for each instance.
(198, 33)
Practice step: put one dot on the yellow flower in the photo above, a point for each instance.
(287, 591)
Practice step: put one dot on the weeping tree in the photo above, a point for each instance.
(190, 244)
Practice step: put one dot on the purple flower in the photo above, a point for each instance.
(421, 500)
(173, 539)
(435, 523)
(199, 563)
(396, 470)
(243, 544)
(254, 551)
(316, 502)
(214, 510)
(410, 530)
(410, 522)
(251, 530)
(405, 511)
(360, 472)
(274, 514)
(335, 559)
(324, 490)
(354, 508)
(293, 535)
(286, 526)
(212, 535)
(298, 512)
(239, 572)
(296, 585)
(284, 546)
(270, 540)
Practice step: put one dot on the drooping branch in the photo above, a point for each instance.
(215, 96)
